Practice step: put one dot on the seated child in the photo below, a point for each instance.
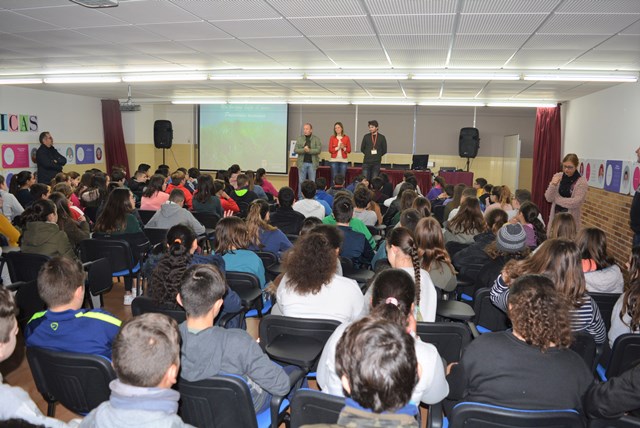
(65, 326)
(208, 350)
(146, 358)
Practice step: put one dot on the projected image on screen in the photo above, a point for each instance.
(251, 135)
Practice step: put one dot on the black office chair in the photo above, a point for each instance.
(156, 235)
(605, 302)
(99, 280)
(270, 262)
(479, 415)
(145, 215)
(488, 317)
(438, 213)
(247, 285)
(207, 219)
(295, 341)
(361, 276)
(225, 401)
(79, 381)
(585, 345)
(449, 338)
(143, 304)
(27, 300)
(23, 270)
(315, 407)
(627, 421)
(24, 266)
(625, 354)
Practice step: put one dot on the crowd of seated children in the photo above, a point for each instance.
(560, 260)
(601, 273)
(154, 195)
(563, 225)
(146, 359)
(537, 370)
(408, 219)
(242, 195)
(454, 203)
(405, 176)
(467, 192)
(354, 245)
(321, 191)
(360, 179)
(254, 187)
(354, 223)
(478, 185)
(394, 202)
(232, 243)
(75, 209)
(261, 179)
(521, 196)
(376, 187)
(208, 350)
(311, 288)
(232, 174)
(500, 198)
(205, 198)
(172, 213)
(95, 193)
(528, 217)
(485, 198)
(468, 223)
(423, 206)
(228, 204)
(20, 187)
(406, 202)
(178, 180)
(76, 230)
(436, 190)
(285, 217)
(262, 235)
(434, 257)
(393, 297)
(10, 208)
(40, 231)
(64, 326)
(338, 185)
(625, 317)
(309, 206)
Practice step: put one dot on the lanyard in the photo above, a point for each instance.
(374, 139)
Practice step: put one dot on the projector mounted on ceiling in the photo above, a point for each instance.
(96, 3)
(129, 104)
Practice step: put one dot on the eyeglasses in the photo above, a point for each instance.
(569, 167)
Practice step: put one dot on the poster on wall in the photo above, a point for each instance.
(626, 186)
(85, 154)
(100, 153)
(613, 176)
(635, 177)
(68, 151)
(15, 156)
(594, 171)
(33, 148)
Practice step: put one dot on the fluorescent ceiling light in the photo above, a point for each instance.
(384, 102)
(358, 76)
(20, 81)
(204, 101)
(460, 103)
(239, 101)
(465, 76)
(260, 76)
(576, 77)
(96, 3)
(83, 79)
(318, 102)
(164, 77)
(522, 104)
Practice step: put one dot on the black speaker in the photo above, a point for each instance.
(469, 142)
(162, 134)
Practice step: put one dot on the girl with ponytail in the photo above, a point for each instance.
(528, 217)
(262, 235)
(393, 296)
(168, 271)
(403, 254)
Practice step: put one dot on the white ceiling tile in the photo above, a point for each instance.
(123, 34)
(281, 44)
(500, 24)
(187, 31)
(258, 28)
(62, 38)
(218, 46)
(489, 41)
(12, 22)
(610, 55)
(72, 16)
(625, 64)
(411, 41)
(156, 48)
(16, 42)
(306, 63)
(621, 42)
(346, 42)
(100, 49)
(410, 7)
(150, 12)
(418, 58)
(27, 4)
(467, 64)
(540, 54)
(414, 24)
(377, 56)
(228, 10)
(599, 7)
(484, 54)
(348, 63)
(509, 6)
(563, 41)
(302, 56)
(587, 23)
(633, 29)
(337, 26)
(297, 9)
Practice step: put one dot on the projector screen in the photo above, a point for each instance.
(250, 135)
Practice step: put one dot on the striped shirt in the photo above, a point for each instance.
(584, 318)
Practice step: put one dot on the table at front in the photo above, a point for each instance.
(456, 177)
(395, 176)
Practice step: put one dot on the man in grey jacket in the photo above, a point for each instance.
(172, 213)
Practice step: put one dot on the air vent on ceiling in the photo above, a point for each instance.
(96, 3)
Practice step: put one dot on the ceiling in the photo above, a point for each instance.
(240, 37)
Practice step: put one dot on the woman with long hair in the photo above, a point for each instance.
(455, 201)
(528, 217)
(468, 223)
(232, 241)
(255, 187)
(567, 189)
(434, 257)
(392, 298)
(403, 254)
(601, 273)
(262, 235)
(20, 185)
(76, 230)
(95, 195)
(154, 195)
(205, 198)
(560, 260)
(261, 179)
(311, 287)
(40, 233)
(562, 225)
(167, 271)
(74, 210)
(625, 317)
(339, 148)
(537, 371)
(500, 198)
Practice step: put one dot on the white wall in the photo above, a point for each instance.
(603, 125)
(71, 119)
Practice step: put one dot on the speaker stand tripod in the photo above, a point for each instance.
(164, 163)
(468, 160)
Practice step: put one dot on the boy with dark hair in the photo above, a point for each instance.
(406, 176)
(437, 189)
(362, 197)
(208, 350)
(338, 185)
(178, 179)
(65, 326)
(479, 184)
(376, 362)
(359, 179)
(146, 358)
(321, 193)
(354, 245)
(484, 198)
(16, 403)
(285, 218)
(118, 176)
(308, 206)
(242, 195)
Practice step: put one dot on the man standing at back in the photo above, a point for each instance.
(49, 161)
(308, 148)
(374, 146)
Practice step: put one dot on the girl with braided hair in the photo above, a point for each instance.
(403, 254)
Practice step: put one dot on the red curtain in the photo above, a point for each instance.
(546, 155)
(115, 150)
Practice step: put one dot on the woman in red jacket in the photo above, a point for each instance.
(339, 147)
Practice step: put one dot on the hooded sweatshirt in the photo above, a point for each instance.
(171, 214)
(45, 238)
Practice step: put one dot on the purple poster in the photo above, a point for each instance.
(613, 176)
(85, 153)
